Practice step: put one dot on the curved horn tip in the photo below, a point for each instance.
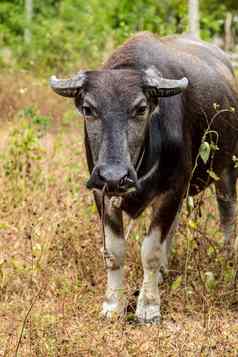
(185, 82)
(52, 80)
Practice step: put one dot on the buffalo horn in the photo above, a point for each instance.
(68, 87)
(164, 87)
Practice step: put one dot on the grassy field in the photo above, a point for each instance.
(52, 278)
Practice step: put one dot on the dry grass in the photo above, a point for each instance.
(52, 278)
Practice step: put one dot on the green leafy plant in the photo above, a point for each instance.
(89, 30)
(24, 154)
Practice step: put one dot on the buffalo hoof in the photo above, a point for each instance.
(148, 314)
(113, 309)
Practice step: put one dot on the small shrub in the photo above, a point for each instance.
(23, 157)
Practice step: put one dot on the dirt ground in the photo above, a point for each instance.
(52, 277)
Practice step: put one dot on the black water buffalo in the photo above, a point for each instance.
(146, 111)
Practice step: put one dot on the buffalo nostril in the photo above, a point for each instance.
(101, 176)
(123, 180)
(130, 181)
(126, 181)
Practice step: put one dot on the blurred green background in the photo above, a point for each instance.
(69, 33)
(52, 278)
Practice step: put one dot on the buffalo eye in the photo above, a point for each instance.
(87, 111)
(141, 110)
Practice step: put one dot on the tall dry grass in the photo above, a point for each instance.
(52, 277)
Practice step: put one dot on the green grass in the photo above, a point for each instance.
(52, 278)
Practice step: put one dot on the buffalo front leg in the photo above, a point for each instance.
(226, 199)
(114, 256)
(154, 255)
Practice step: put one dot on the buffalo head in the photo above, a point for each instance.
(117, 106)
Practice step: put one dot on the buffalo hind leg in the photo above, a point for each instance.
(154, 255)
(226, 199)
(114, 255)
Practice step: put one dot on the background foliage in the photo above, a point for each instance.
(52, 278)
(67, 32)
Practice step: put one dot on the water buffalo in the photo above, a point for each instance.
(146, 111)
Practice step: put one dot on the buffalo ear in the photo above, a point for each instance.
(69, 87)
(162, 87)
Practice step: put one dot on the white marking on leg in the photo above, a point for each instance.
(148, 305)
(115, 301)
(163, 264)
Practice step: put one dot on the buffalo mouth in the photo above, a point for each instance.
(120, 192)
(125, 186)
(122, 187)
